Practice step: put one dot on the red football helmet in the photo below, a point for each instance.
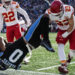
(56, 7)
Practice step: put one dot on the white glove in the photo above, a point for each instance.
(64, 35)
(28, 24)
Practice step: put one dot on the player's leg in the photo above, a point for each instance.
(17, 31)
(29, 35)
(45, 42)
(61, 43)
(10, 34)
(41, 21)
(72, 46)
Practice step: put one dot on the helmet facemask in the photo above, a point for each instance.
(6, 3)
(58, 14)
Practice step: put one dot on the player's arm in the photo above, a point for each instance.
(2, 44)
(71, 26)
(1, 22)
(24, 13)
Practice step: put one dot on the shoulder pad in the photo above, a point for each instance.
(16, 4)
(13, 2)
(67, 8)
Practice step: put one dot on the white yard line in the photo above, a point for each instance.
(23, 72)
(52, 67)
(48, 68)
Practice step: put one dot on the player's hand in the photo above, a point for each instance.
(29, 24)
(64, 35)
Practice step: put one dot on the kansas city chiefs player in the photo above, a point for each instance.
(63, 15)
(8, 13)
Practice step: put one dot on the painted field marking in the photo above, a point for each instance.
(23, 72)
(52, 67)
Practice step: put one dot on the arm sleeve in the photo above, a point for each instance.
(1, 22)
(71, 12)
(24, 13)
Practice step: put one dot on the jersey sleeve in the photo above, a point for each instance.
(1, 22)
(69, 10)
(72, 12)
(24, 13)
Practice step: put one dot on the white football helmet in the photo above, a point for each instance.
(6, 3)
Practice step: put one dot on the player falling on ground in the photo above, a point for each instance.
(14, 53)
(8, 13)
(63, 15)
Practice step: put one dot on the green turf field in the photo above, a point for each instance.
(41, 58)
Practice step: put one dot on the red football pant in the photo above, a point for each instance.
(71, 39)
(13, 31)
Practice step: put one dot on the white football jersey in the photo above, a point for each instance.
(62, 22)
(9, 15)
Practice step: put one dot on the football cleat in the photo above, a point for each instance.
(47, 45)
(69, 59)
(63, 69)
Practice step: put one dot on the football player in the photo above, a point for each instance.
(15, 52)
(63, 15)
(8, 13)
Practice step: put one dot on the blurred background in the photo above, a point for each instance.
(35, 8)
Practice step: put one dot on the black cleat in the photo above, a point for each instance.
(69, 59)
(47, 46)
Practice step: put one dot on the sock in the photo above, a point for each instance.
(72, 53)
(61, 53)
